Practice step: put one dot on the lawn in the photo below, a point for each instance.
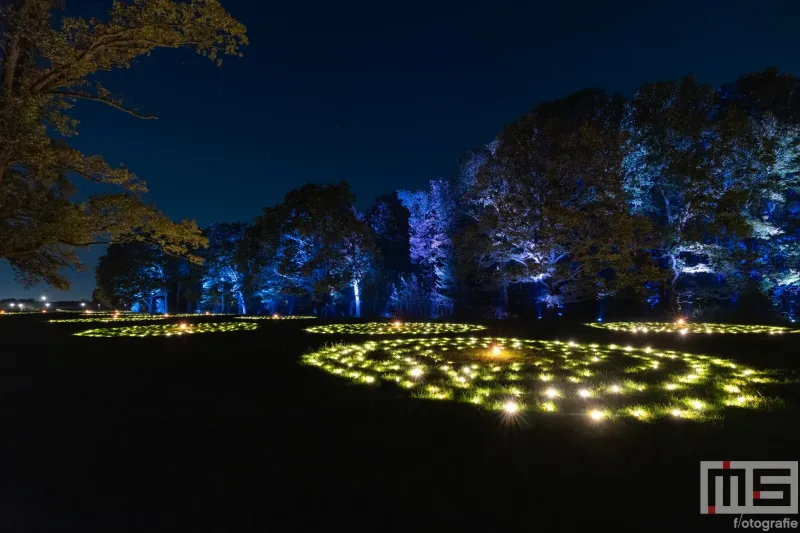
(234, 430)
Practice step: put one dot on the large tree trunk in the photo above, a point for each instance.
(357, 297)
(503, 307)
(673, 284)
(13, 49)
(240, 303)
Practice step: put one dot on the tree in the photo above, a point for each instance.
(773, 210)
(388, 220)
(132, 275)
(698, 162)
(314, 244)
(547, 207)
(45, 69)
(223, 277)
(432, 214)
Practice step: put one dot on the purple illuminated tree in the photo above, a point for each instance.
(431, 221)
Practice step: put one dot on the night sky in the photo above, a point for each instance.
(389, 96)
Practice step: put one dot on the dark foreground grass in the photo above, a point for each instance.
(227, 432)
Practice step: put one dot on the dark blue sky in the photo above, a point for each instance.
(388, 95)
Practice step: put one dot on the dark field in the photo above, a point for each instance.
(227, 432)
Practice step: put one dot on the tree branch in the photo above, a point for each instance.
(106, 101)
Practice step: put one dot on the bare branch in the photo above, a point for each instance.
(106, 101)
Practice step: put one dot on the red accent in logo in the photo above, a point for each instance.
(712, 509)
(726, 464)
(756, 494)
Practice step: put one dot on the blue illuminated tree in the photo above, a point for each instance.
(133, 274)
(705, 165)
(314, 245)
(223, 276)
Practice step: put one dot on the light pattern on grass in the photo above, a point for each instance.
(168, 330)
(275, 317)
(111, 318)
(598, 382)
(395, 328)
(685, 328)
(101, 313)
(183, 315)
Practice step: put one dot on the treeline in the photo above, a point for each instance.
(682, 197)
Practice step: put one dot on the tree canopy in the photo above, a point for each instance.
(683, 197)
(48, 63)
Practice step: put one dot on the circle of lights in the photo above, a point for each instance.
(111, 318)
(684, 328)
(168, 330)
(599, 382)
(395, 328)
(275, 317)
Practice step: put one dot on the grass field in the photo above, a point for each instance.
(229, 431)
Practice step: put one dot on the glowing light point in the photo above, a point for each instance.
(183, 325)
(697, 404)
(496, 350)
(614, 388)
(583, 393)
(684, 331)
(676, 413)
(551, 393)
(670, 386)
(680, 321)
(416, 372)
(510, 407)
(596, 415)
